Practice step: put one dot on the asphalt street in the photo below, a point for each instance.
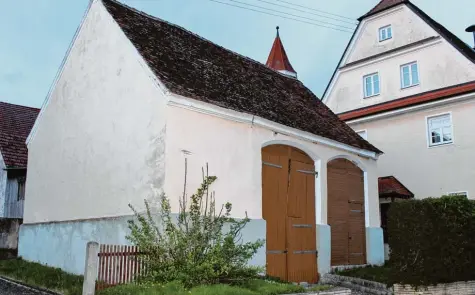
(7, 288)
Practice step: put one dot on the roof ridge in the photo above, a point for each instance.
(19, 105)
(196, 35)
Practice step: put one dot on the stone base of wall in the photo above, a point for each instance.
(458, 288)
(9, 228)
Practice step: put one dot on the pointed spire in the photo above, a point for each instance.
(278, 59)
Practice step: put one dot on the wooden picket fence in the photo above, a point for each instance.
(118, 265)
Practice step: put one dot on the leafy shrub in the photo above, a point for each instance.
(432, 241)
(200, 246)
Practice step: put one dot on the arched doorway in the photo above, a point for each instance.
(288, 206)
(346, 212)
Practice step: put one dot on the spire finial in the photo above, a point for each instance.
(277, 28)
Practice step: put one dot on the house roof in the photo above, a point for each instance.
(404, 102)
(16, 122)
(278, 59)
(194, 67)
(383, 5)
(390, 186)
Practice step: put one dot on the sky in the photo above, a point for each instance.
(35, 34)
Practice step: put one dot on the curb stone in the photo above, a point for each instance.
(27, 286)
(332, 291)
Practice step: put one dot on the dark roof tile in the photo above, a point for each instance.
(193, 67)
(15, 124)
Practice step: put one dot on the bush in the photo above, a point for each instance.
(202, 246)
(432, 241)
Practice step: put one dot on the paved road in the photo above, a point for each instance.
(7, 288)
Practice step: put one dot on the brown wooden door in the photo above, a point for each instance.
(301, 237)
(346, 213)
(274, 207)
(288, 191)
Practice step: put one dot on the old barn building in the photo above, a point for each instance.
(137, 95)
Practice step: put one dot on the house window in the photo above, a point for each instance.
(363, 134)
(409, 75)
(439, 129)
(21, 189)
(385, 33)
(458, 194)
(371, 85)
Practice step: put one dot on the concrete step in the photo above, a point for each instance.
(356, 284)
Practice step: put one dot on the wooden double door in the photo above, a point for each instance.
(346, 215)
(288, 204)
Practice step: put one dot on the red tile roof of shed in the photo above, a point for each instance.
(408, 101)
(389, 186)
(16, 122)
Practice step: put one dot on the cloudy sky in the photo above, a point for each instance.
(35, 34)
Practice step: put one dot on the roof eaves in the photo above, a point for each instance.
(455, 41)
(463, 88)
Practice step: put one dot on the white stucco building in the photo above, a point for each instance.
(407, 85)
(136, 95)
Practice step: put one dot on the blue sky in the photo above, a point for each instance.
(35, 35)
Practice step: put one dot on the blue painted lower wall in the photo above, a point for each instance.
(324, 248)
(63, 244)
(374, 246)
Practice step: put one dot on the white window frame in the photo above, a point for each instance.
(459, 192)
(364, 131)
(372, 83)
(385, 29)
(428, 135)
(410, 73)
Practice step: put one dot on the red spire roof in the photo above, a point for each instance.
(278, 59)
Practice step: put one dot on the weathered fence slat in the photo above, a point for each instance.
(118, 264)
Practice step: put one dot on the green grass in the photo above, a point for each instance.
(372, 273)
(35, 274)
(255, 287)
(55, 279)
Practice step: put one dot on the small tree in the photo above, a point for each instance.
(200, 246)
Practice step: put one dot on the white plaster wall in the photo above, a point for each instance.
(427, 171)
(440, 65)
(407, 28)
(233, 152)
(99, 143)
(3, 186)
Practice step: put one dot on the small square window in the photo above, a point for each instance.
(439, 130)
(385, 33)
(363, 134)
(409, 75)
(371, 85)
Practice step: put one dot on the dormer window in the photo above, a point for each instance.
(385, 33)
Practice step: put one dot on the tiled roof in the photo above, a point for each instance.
(389, 186)
(408, 101)
(381, 6)
(193, 67)
(15, 124)
(278, 59)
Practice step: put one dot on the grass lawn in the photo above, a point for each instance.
(35, 274)
(372, 273)
(255, 287)
(55, 279)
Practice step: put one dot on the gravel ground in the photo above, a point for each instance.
(7, 288)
